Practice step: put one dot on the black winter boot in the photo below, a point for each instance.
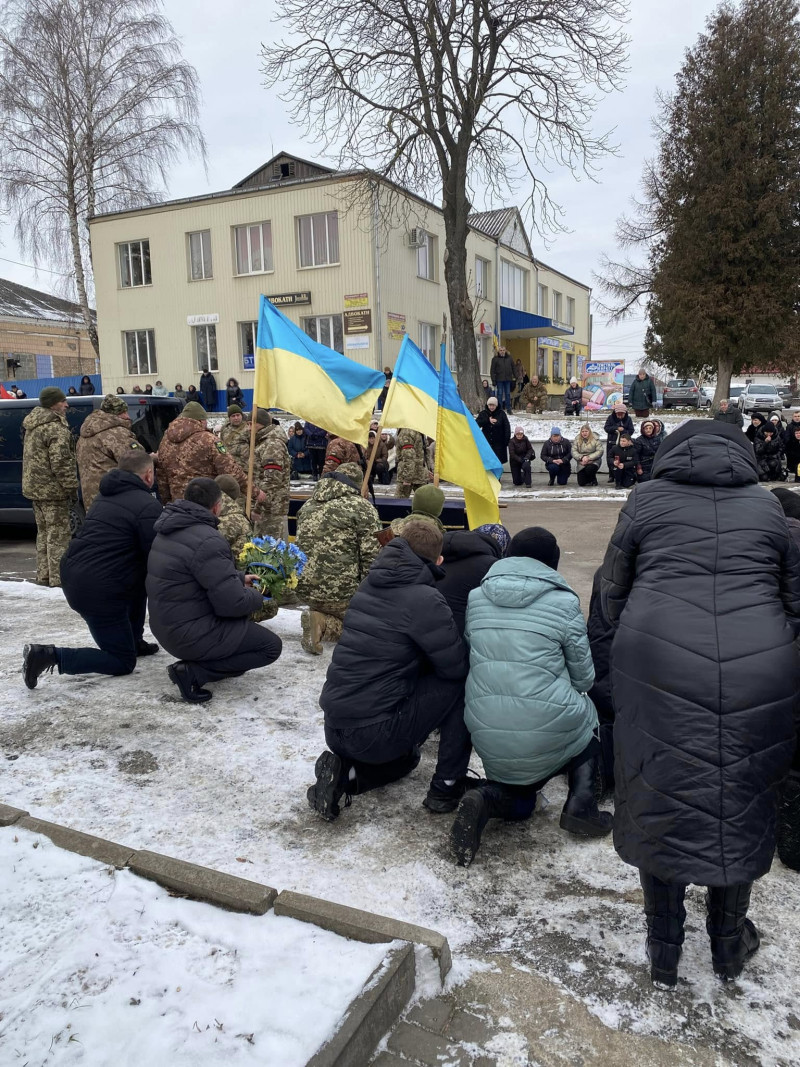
(191, 692)
(324, 796)
(146, 648)
(441, 799)
(36, 659)
(580, 814)
(487, 801)
(663, 907)
(733, 937)
(789, 822)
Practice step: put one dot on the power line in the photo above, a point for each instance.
(16, 262)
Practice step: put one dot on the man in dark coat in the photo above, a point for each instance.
(199, 603)
(103, 573)
(520, 456)
(467, 556)
(642, 394)
(397, 673)
(503, 374)
(496, 428)
(208, 390)
(705, 694)
(728, 414)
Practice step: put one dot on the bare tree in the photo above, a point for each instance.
(95, 105)
(447, 97)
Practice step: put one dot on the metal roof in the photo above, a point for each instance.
(19, 302)
(492, 223)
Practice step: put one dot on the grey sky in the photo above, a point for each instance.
(245, 125)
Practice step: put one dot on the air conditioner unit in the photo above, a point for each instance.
(415, 238)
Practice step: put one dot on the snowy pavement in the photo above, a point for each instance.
(224, 785)
(99, 965)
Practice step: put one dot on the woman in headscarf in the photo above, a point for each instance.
(646, 445)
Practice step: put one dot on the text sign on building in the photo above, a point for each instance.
(356, 300)
(397, 325)
(248, 361)
(283, 300)
(357, 342)
(358, 321)
(201, 320)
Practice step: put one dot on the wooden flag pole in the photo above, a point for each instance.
(442, 358)
(248, 507)
(373, 453)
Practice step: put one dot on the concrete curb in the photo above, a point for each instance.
(9, 815)
(372, 1014)
(96, 848)
(362, 925)
(203, 883)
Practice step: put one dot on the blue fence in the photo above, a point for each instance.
(34, 386)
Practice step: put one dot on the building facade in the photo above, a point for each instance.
(355, 261)
(41, 336)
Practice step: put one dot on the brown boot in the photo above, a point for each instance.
(310, 641)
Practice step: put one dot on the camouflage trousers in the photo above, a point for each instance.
(52, 539)
(267, 524)
(406, 488)
(329, 620)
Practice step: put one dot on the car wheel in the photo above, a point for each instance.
(77, 517)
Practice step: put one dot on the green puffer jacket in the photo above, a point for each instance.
(530, 670)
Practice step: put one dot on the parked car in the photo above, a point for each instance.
(150, 417)
(682, 393)
(706, 397)
(756, 397)
(787, 395)
(735, 394)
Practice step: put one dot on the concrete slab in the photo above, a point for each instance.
(362, 925)
(9, 815)
(96, 848)
(372, 1014)
(421, 1046)
(203, 883)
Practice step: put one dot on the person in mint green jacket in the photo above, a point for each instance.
(527, 708)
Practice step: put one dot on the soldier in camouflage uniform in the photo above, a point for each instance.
(189, 450)
(533, 396)
(272, 472)
(342, 451)
(412, 470)
(234, 525)
(105, 437)
(336, 529)
(235, 435)
(49, 480)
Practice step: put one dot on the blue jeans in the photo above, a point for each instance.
(116, 635)
(502, 391)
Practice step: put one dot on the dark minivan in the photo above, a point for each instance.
(150, 417)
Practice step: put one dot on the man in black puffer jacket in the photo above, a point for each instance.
(199, 603)
(467, 556)
(396, 674)
(103, 573)
(705, 694)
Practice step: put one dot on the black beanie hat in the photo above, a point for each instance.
(789, 501)
(536, 543)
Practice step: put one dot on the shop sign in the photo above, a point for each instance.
(356, 300)
(397, 326)
(357, 342)
(248, 361)
(283, 300)
(201, 320)
(359, 321)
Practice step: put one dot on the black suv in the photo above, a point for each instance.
(150, 416)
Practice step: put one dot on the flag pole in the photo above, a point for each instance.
(248, 507)
(374, 452)
(442, 360)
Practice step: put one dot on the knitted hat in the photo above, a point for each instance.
(555, 430)
(492, 401)
(263, 417)
(351, 471)
(50, 395)
(427, 500)
(518, 429)
(498, 533)
(789, 501)
(619, 406)
(113, 405)
(536, 543)
(228, 485)
(193, 410)
(234, 409)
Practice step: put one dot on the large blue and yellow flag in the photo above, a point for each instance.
(295, 372)
(463, 455)
(413, 397)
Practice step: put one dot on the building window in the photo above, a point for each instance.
(140, 351)
(570, 320)
(200, 256)
(556, 306)
(327, 329)
(570, 359)
(205, 347)
(556, 365)
(512, 285)
(541, 362)
(427, 256)
(427, 341)
(134, 264)
(318, 239)
(481, 277)
(248, 334)
(541, 306)
(484, 346)
(253, 248)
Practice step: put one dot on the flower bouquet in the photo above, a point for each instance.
(276, 564)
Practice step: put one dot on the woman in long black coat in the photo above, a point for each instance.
(496, 428)
(704, 690)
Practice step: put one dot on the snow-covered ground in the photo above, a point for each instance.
(99, 966)
(224, 785)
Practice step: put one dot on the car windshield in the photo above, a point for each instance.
(681, 383)
(768, 389)
(736, 390)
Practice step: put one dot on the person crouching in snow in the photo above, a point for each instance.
(769, 455)
(624, 462)
(397, 673)
(526, 705)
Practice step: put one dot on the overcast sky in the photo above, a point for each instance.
(245, 124)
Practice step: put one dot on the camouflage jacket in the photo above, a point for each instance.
(398, 525)
(188, 450)
(104, 439)
(340, 451)
(234, 526)
(237, 441)
(48, 457)
(534, 394)
(336, 529)
(272, 469)
(411, 466)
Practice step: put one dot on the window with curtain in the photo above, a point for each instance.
(253, 245)
(200, 266)
(205, 347)
(134, 264)
(318, 239)
(140, 351)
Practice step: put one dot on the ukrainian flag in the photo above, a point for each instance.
(296, 373)
(463, 455)
(413, 397)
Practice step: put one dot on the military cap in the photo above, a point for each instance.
(51, 395)
(428, 500)
(113, 405)
(234, 409)
(228, 485)
(193, 410)
(263, 417)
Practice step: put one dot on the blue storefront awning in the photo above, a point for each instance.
(514, 323)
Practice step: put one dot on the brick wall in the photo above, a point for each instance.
(70, 350)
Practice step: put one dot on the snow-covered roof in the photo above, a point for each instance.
(19, 302)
